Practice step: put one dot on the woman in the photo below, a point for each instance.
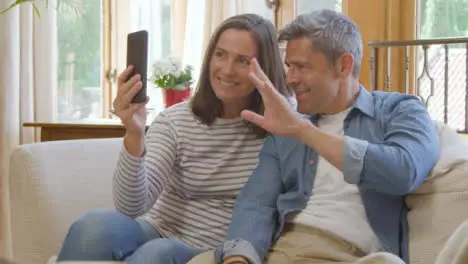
(183, 176)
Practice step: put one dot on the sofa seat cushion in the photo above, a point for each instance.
(53, 260)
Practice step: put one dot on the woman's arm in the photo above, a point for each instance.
(139, 180)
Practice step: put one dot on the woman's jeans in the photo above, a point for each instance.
(109, 235)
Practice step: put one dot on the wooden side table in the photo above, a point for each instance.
(51, 131)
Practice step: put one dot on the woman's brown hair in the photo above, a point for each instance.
(204, 103)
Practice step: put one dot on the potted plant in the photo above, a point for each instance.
(174, 80)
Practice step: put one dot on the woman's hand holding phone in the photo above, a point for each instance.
(132, 115)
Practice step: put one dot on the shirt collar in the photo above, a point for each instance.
(365, 102)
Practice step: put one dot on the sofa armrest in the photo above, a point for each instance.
(51, 184)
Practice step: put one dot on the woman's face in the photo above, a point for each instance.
(230, 66)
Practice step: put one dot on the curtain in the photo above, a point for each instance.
(27, 86)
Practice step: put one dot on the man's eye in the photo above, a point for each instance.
(244, 61)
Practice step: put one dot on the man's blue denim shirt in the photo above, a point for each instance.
(390, 146)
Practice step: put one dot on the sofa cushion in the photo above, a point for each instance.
(455, 250)
(53, 260)
(439, 205)
(51, 185)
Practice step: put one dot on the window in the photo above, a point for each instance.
(444, 19)
(92, 37)
(155, 17)
(79, 92)
(288, 9)
(304, 6)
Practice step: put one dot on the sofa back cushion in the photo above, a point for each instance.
(440, 204)
(51, 185)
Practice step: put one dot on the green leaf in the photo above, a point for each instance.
(36, 10)
(73, 4)
(17, 2)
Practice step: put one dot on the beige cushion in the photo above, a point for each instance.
(53, 260)
(440, 204)
(455, 250)
(53, 183)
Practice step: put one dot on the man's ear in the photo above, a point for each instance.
(345, 65)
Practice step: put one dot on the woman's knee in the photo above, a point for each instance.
(100, 234)
(104, 224)
(162, 250)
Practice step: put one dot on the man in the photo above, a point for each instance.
(330, 185)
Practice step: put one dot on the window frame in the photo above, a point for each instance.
(109, 74)
(114, 35)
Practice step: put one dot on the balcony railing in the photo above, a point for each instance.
(442, 62)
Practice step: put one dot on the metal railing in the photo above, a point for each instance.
(443, 47)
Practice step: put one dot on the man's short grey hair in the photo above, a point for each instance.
(332, 33)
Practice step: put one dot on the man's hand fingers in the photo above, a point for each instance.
(262, 82)
(258, 71)
(256, 81)
(266, 90)
(253, 117)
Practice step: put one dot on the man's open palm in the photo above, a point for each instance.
(279, 118)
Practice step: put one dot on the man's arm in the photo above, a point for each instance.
(326, 145)
(255, 214)
(397, 165)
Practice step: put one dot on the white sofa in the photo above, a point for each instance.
(53, 183)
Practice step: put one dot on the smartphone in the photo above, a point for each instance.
(137, 55)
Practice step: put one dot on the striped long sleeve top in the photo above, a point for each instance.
(187, 182)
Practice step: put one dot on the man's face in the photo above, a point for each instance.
(315, 80)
